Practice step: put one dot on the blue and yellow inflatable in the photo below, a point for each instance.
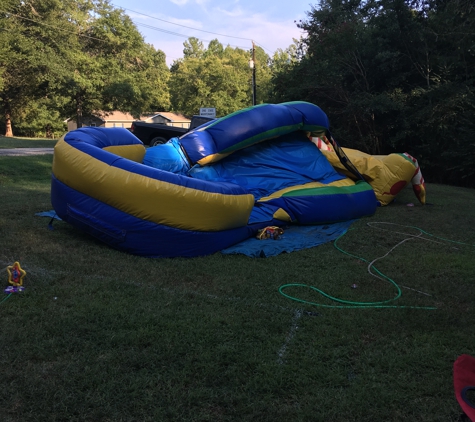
(209, 189)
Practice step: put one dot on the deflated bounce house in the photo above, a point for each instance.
(213, 187)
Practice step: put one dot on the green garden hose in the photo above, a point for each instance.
(353, 304)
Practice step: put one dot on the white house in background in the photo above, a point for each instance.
(102, 119)
(119, 119)
(167, 118)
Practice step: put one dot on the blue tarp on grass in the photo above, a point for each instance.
(294, 238)
(51, 214)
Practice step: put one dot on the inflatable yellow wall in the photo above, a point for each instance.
(387, 174)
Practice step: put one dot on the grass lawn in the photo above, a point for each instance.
(99, 335)
(26, 142)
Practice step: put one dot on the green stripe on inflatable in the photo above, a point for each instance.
(236, 113)
(270, 134)
(360, 186)
(313, 128)
(407, 159)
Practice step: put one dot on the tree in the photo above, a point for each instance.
(215, 48)
(193, 48)
(338, 72)
(209, 82)
(114, 69)
(283, 68)
(263, 75)
(217, 78)
(393, 75)
(33, 53)
(41, 118)
(74, 57)
(443, 111)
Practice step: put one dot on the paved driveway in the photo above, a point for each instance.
(25, 151)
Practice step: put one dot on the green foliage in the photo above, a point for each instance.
(68, 58)
(393, 76)
(217, 77)
(41, 119)
(263, 76)
(215, 48)
(193, 48)
(31, 62)
(115, 69)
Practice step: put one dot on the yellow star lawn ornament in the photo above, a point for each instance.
(15, 278)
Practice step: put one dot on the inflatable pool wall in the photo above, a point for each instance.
(101, 185)
(213, 141)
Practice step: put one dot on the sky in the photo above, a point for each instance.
(167, 24)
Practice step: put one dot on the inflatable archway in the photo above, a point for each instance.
(218, 185)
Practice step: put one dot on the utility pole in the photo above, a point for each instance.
(252, 65)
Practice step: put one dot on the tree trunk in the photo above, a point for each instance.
(8, 121)
(78, 111)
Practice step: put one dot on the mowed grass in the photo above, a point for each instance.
(16, 142)
(100, 335)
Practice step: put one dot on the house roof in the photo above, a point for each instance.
(115, 116)
(119, 116)
(171, 117)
